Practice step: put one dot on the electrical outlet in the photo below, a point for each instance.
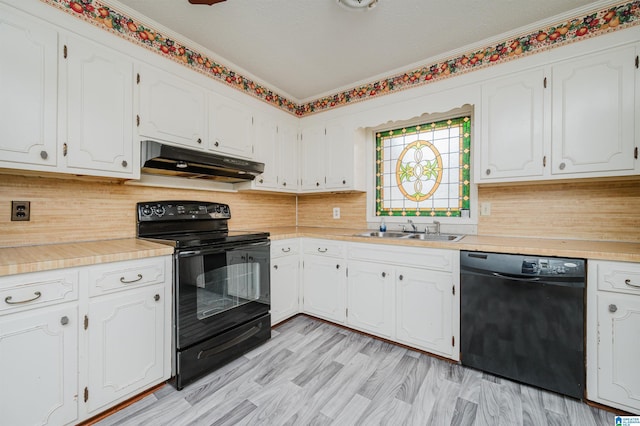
(485, 209)
(336, 212)
(20, 210)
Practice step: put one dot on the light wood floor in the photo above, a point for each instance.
(313, 373)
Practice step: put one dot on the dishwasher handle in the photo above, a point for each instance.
(515, 277)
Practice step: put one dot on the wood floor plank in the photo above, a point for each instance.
(488, 412)
(346, 379)
(464, 413)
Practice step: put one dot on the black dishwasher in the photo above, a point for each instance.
(522, 317)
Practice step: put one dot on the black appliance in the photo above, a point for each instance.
(221, 283)
(522, 317)
(158, 158)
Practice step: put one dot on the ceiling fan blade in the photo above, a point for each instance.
(209, 2)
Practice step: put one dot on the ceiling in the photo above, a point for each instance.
(304, 49)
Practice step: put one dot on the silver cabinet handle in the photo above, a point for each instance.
(286, 250)
(124, 163)
(8, 299)
(628, 282)
(488, 172)
(613, 308)
(384, 274)
(64, 320)
(337, 266)
(156, 297)
(562, 166)
(400, 277)
(44, 155)
(123, 281)
(322, 250)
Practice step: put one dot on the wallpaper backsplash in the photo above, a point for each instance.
(65, 210)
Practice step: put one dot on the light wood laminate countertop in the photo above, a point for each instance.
(18, 260)
(601, 250)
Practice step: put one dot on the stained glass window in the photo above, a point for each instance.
(424, 170)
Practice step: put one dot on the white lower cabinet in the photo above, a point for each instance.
(39, 366)
(613, 334)
(126, 345)
(285, 279)
(404, 294)
(77, 341)
(425, 306)
(324, 279)
(370, 298)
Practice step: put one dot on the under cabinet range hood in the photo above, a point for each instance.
(167, 160)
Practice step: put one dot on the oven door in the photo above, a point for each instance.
(219, 288)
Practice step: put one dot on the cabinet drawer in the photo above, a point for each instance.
(428, 258)
(620, 277)
(323, 248)
(285, 248)
(119, 276)
(26, 291)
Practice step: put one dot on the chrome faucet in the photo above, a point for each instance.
(415, 228)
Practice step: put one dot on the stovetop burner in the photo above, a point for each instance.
(189, 224)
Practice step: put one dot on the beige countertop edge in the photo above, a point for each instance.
(23, 259)
(597, 250)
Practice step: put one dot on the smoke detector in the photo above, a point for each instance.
(358, 4)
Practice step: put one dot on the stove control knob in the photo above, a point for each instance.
(160, 211)
(146, 211)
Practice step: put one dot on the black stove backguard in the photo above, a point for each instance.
(221, 284)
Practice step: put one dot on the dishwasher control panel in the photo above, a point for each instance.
(523, 265)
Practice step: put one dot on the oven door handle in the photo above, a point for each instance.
(231, 343)
(222, 248)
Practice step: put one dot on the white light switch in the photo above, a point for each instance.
(485, 209)
(336, 212)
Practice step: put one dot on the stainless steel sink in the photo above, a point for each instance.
(380, 234)
(435, 237)
(412, 236)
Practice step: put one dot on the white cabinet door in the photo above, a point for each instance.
(265, 137)
(39, 366)
(171, 109)
(370, 298)
(285, 277)
(126, 344)
(230, 127)
(288, 157)
(618, 350)
(98, 109)
(324, 287)
(424, 306)
(339, 159)
(513, 127)
(593, 113)
(312, 158)
(28, 92)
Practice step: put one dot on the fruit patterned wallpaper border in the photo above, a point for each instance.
(596, 23)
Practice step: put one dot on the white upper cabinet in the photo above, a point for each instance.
(573, 119)
(28, 89)
(171, 109)
(97, 109)
(288, 157)
(312, 158)
(593, 113)
(266, 150)
(230, 127)
(513, 126)
(328, 160)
